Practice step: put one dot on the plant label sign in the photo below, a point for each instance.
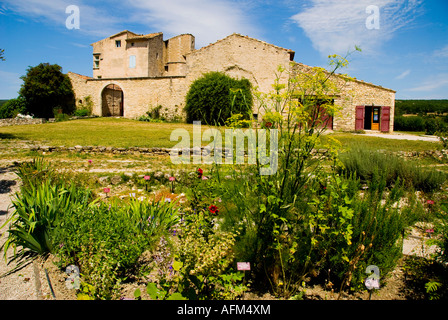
(372, 284)
(373, 281)
(243, 266)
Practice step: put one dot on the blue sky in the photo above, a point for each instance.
(407, 51)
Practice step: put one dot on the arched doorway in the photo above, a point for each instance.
(112, 101)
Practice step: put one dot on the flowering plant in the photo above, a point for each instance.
(213, 209)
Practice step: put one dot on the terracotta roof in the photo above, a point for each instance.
(80, 75)
(124, 31)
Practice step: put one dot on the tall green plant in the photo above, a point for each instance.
(36, 212)
(272, 205)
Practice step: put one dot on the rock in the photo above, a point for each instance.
(103, 180)
(116, 180)
(158, 175)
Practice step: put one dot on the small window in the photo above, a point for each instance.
(166, 68)
(118, 43)
(132, 44)
(96, 61)
(132, 62)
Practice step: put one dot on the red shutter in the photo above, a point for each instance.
(385, 119)
(359, 124)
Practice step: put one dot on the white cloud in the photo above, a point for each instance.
(431, 84)
(441, 53)
(337, 26)
(403, 75)
(207, 20)
(93, 21)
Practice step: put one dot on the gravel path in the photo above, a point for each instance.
(401, 136)
(20, 285)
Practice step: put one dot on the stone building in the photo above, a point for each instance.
(133, 74)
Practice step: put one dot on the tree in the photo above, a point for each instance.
(2, 54)
(47, 90)
(12, 107)
(215, 97)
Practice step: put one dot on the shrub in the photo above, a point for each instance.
(213, 98)
(106, 239)
(60, 117)
(366, 163)
(44, 198)
(81, 113)
(12, 107)
(85, 109)
(413, 123)
(434, 125)
(376, 227)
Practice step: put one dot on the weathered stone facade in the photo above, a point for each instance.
(148, 71)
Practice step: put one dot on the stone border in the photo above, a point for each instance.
(131, 150)
(20, 121)
(205, 151)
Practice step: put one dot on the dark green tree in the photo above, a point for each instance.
(12, 107)
(215, 97)
(47, 90)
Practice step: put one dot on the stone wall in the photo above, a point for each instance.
(237, 56)
(20, 121)
(139, 94)
(240, 56)
(358, 93)
(352, 93)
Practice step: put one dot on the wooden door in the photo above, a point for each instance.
(359, 123)
(385, 119)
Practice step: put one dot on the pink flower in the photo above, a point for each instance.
(430, 201)
(147, 178)
(106, 190)
(429, 230)
(90, 161)
(172, 179)
(204, 178)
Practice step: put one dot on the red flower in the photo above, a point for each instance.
(213, 209)
(430, 202)
(200, 172)
(268, 124)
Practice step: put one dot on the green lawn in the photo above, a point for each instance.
(124, 133)
(115, 132)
